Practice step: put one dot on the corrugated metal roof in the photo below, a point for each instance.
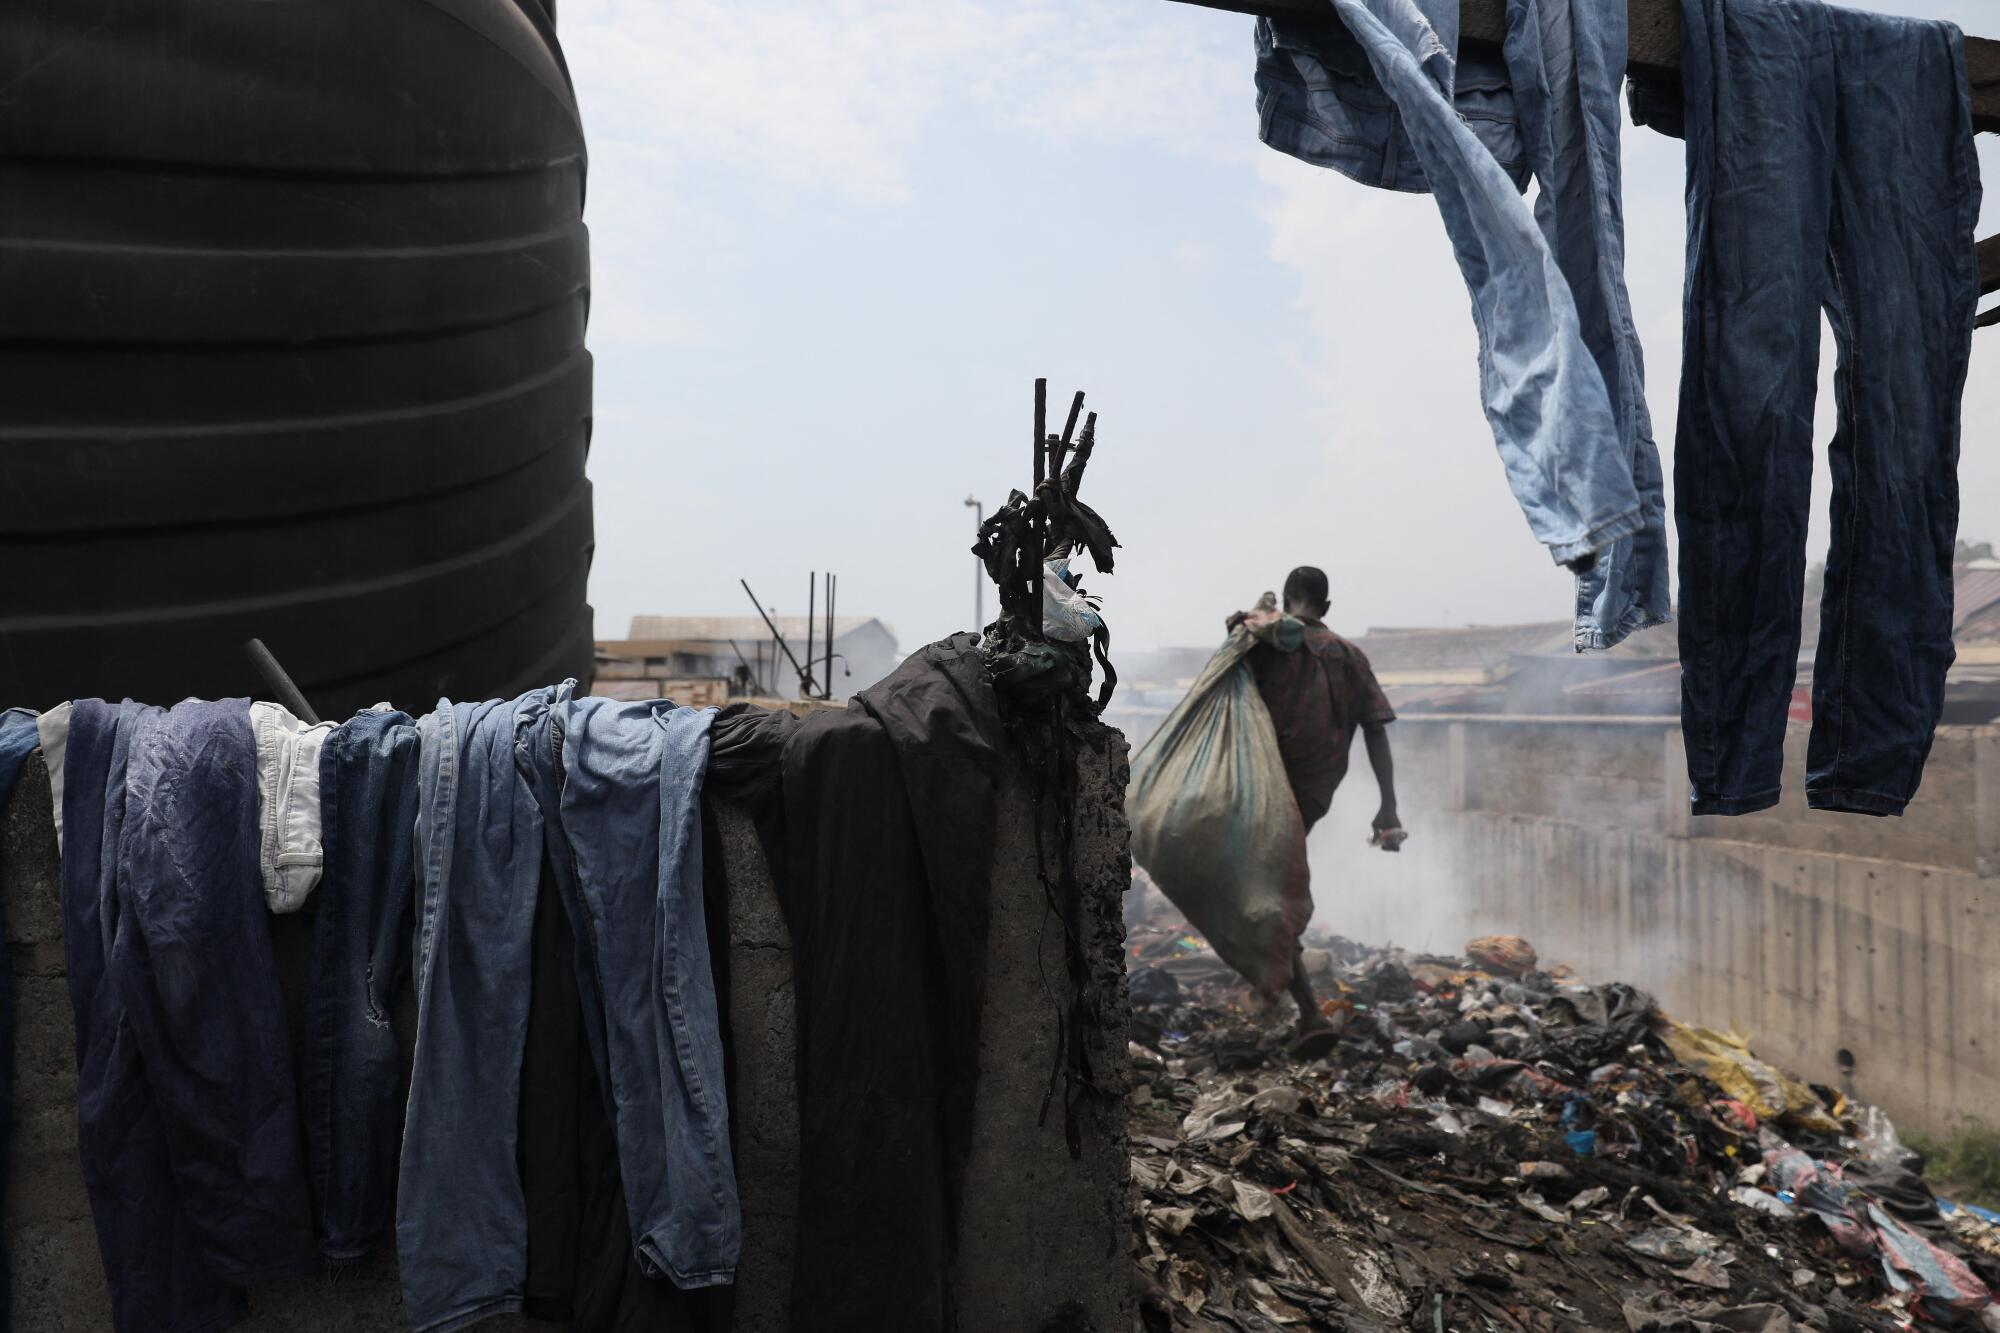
(1485, 646)
(1973, 592)
(1659, 681)
(714, 629)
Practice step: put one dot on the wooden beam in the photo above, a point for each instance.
(1989, 265)
(1653, 46)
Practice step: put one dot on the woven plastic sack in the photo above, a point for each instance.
(1508, 955)
(1213, 819)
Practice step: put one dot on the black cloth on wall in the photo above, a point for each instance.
(878, 821)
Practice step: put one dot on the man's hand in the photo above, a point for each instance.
(1389, 833)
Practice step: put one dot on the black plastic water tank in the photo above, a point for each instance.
(292, 302)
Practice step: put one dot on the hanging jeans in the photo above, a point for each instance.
(628, 778)
(186, 1116)
(1565, 60)
(461, 1220)
(1830, 167)
(18, 738)
(1560, 370)
(361, 953)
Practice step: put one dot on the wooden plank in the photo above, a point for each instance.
(1653, 46)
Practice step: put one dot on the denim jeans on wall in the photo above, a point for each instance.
(187, 1118)
(361, 953)
(1830, 167)
(19, 736)
(461, 1219)
(630, 783)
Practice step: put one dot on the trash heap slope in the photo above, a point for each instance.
(1492, 1145)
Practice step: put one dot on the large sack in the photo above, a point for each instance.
(1214, 822)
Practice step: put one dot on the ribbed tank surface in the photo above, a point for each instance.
(292, 304)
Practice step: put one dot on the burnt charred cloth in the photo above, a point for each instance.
(879, 825)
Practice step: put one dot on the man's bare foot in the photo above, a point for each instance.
(1313, 1040)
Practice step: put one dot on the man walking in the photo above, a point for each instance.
(1318, 695)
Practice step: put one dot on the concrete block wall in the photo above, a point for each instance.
(1629, 773)
(1878, 977)
(1863, 953)
(1043, 1235)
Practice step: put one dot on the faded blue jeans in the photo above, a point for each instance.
(1830, 167)
(627, 778)
(1560, 370)
(361, 953)
(1566, 60)
(461, 1218)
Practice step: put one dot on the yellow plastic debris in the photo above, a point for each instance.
(1727, 1060)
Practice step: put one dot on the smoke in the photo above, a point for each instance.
(1415, 898)
(1563, 825)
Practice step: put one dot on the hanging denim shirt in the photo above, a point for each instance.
(1383, 100)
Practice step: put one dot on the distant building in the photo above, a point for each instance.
(709, 659)
(1534, 670)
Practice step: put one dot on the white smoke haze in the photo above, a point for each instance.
(1414, 899)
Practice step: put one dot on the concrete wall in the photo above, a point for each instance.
(1817, 934)
(1042, 1233)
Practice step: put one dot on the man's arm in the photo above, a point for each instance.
(1376, 715)
(1376, 736)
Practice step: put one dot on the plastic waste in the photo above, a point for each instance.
(1768, 1204)
(1878, 1143)
(1678, 1246)
(1726, 1059)
(1069, 615)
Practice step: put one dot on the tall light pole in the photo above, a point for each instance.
(978, 570)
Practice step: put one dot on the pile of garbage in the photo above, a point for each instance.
(1496, 1145)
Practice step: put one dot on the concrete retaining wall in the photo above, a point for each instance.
(1863, 953)
(1874, 976)
(1043, 1234)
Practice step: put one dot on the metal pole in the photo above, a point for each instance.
(978, 570)
(827, 692)
(812, 597)
(776, 637)
(1038, 539)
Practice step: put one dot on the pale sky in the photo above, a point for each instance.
(834, 243)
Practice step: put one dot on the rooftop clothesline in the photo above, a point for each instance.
(1654, 42)
(1654, 46)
